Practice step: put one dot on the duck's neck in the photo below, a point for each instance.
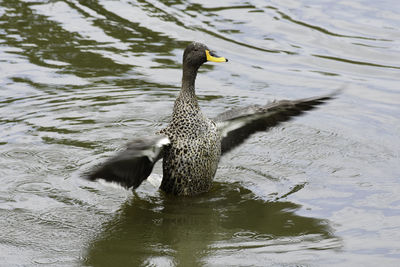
(188, 82)
(186, 103)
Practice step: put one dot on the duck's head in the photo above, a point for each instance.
(197, 53)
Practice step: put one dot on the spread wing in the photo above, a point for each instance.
(132, 166)
(237, 125)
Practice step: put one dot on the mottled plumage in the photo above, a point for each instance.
(191, 145)
(190, 162)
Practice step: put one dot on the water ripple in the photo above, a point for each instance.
(33, 187)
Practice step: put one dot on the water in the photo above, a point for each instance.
(79, 79)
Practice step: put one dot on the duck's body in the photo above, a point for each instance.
(191, 145)
(191, 159)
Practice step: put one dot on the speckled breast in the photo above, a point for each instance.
(190, 162)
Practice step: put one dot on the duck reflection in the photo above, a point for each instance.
(167, 230)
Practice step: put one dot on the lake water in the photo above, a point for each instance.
(79, 79)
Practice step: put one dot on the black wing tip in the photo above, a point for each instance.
(95, 173)
(91, 175)
(313, 102)
(335, 93)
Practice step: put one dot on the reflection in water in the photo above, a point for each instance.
(46, 44)
(163, 229)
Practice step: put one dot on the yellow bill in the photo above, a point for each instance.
(214, 58)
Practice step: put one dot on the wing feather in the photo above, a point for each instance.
(237, 125)
(132, 166)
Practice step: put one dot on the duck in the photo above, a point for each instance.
(191, 145)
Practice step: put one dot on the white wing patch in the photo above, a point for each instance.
(225, 127)
(153, 152)
(162, 142)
